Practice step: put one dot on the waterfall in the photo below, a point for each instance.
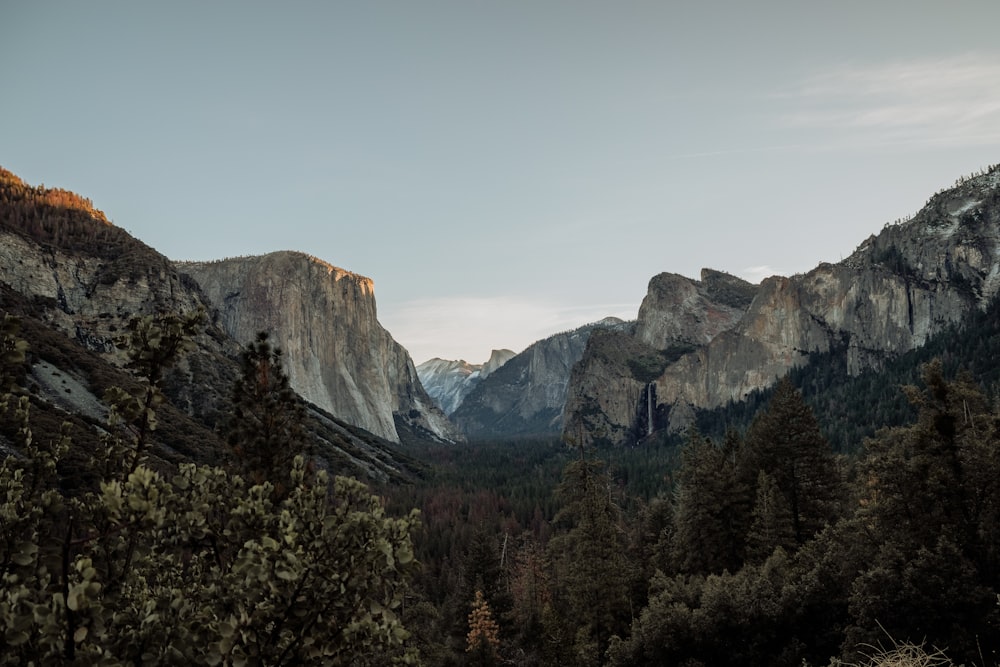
(650, 406)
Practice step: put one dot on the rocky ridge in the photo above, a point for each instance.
(449, 382)
(525, 396)
(611, 393)
(324, 318)
(898, 288)
(76, 281)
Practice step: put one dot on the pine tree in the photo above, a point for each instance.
(154, 344)
(772, 522)
(12, 353)
(591, 573)
(932, 502)
(483, 639)
(785, 442)
(530, 592)
(711, 513)
(266, 430)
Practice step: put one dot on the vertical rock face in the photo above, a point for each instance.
(449, 382)
(526, 395)
(77, 281)
(336, 353)
(895, 291)
(497, 359)
(680, 310)
(603, 393)
(608, 396)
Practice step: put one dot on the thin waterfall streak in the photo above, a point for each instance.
(649, 407)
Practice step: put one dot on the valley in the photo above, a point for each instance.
(781, 473)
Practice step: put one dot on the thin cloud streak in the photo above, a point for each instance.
(736, 151)
(922, 77)
(945, 102)
(470, 327)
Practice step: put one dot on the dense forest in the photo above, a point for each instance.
(753, 541)
(120, 559)
(828, 520)
(762, 547)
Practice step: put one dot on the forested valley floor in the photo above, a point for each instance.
(763, 537)
(828, 520)
(762, 548)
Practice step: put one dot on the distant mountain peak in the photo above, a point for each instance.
(448, 382)
(525, 396)
(497, 359)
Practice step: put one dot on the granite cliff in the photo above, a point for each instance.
(681, 311)
(898, 288)
(610, 396)
(337, 355)
(448, 382)
(526, 395)
(76, 281)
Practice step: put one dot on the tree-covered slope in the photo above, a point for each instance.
(850, 408)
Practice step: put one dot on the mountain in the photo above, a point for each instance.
(449, 382)
(681, 311)
(337, 355)
(77, 281)
(526, 395)
(610, 395)
(897, 289)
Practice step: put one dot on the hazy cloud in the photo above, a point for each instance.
(950, 101)
(755, 274)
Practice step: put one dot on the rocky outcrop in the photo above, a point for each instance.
(606, 389)
(678, 310)
(609, 395)
(336, 353)
(526, 395)
(77, 281)
(497, 359)
(888, 297)
(90, 299)
(895, 291)
(449, 382)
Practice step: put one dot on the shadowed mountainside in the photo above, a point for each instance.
(77, 281)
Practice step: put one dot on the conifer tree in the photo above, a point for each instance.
(772, 522)
(483, 638)
(154, 344)
(932, 501)
(482, 571)
(12, 353)
(591, 574)
(710, 517)
(785, 442)
(266, 430)
(195, 567)
(530, 592)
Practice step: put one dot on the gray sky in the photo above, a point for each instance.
(503, 170)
